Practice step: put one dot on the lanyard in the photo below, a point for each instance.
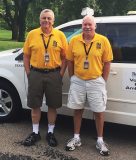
(46, 46)
(87, 52)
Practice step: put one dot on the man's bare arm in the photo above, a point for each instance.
(26, 59)
(70, 68)
(64, 63)
(106, 70)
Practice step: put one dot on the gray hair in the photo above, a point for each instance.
(47, 10)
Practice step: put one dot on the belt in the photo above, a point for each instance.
(45, 70)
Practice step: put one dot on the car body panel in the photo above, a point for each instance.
(121, 84)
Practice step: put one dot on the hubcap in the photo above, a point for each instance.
(6, 103)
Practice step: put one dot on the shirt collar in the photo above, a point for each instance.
(93, 40)
(41, 32)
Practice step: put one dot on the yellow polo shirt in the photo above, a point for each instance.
(35, 47)
(100, 52)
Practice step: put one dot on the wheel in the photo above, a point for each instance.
(10, 104)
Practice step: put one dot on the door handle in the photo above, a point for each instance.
(113, 72)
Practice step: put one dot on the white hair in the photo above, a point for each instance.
(47, 10)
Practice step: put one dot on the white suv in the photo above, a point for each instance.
(121, 85)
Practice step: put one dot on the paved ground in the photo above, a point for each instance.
(121, 139)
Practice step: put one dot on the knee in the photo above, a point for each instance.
(99, 115)
(36, 112)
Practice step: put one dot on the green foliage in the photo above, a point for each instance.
(131, 6)
(3, 24)
(36, 6)
(65, 10)
(116, 7)
(32, 18)
(14, 14)
(72, 9)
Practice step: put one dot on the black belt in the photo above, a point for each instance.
(45, 70)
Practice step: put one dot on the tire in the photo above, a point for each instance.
(10, 104)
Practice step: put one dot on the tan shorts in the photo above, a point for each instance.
(92, 92)
(48, 84)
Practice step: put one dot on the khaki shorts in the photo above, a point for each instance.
(48, 84)
(92, 92)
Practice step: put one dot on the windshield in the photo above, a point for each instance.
(69, 30)
(75, 33)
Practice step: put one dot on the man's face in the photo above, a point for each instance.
(88, 25)
(46, 20)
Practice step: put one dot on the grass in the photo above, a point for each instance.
(6, 42)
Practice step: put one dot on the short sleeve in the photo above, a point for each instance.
(107, 54)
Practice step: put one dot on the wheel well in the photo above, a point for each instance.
(4, 80)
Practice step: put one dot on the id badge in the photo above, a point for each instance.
(46, 57)
(86, 64)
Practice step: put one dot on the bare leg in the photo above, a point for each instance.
(34, 136)
(77, 120)
(100, 145)
(52, 114)
(76, 141)
(36, 115)
(99, 121)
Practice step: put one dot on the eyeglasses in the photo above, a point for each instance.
(48, 18)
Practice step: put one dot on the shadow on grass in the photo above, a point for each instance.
(5, 39)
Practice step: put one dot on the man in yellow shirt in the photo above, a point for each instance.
(45, 64)
(89, 57)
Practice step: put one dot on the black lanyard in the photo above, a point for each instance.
(46, 46)
(87, 52)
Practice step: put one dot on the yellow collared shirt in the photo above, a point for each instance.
(100, 52)
(34, 46)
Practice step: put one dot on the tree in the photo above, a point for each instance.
(14, 14)
(22, 14)
(131, 6)
(114, 8)
(32, 19)
(95, 6)
(71, 9)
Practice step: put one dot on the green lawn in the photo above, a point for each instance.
(6, 42)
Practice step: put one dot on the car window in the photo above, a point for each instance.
(78, 31)
(122, 37)
(69, 30)
(75, 33)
